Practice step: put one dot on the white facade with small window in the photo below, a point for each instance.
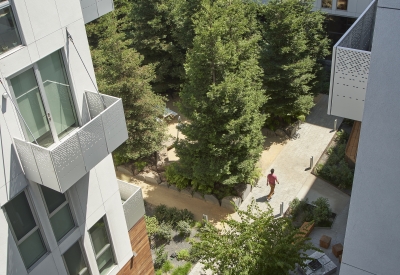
(61, 206)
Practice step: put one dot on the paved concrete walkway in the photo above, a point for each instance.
(292, 169)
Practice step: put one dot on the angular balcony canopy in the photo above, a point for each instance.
(132, 202)
(350, 67)
(63, 164)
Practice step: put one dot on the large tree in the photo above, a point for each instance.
(120, 73)
(222, 97)
(162, 31)
(293, 43)
(257, 244)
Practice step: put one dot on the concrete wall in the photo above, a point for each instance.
(42, 25)
(372, 243)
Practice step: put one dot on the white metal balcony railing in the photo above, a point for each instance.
(61, 165)
(132, 202)
(351, 58)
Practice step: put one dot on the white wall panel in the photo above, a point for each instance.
(15, 62)
(10, 261)
(3, 196)
(33, 52)
(47, 266)
(89, 194)
(72, 238)
(59, 263)
(73, 13)
(44, 18)
(22, 16)
(104, 6)
(50, 43)
(107, 178)
(119, 234)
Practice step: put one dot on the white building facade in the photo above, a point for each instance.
(61, 202)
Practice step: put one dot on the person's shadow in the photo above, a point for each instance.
(262, 199)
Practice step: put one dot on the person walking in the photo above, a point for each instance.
(271, 180)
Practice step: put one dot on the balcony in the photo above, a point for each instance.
(132, 202)
(351, 58)
(62, 164)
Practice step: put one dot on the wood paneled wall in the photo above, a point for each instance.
(143, 263)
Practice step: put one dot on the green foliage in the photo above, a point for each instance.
(183, 228)
(293, 41)
(167, 266)
(174, 178)
(172, 215)
(161, 257)
(336, 169)
(183, 255)
(162, 32)
(257, 244)
(140, 165)
(322, 211)
(182, 270)
(120, 72)
(222, 98)
(297, 206)
(164, 232)
(151, 225)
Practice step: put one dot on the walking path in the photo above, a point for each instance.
(292, 169)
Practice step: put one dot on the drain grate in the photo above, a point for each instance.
(314, 265)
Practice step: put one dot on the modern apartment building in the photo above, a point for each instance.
(63, 210)
(365, 86)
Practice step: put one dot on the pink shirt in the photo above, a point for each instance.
(271, 179)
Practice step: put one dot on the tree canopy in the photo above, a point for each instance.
(120, 73)
(257, 244)
(222, 97)
(293, 43)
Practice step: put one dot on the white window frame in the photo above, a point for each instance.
(46, 105)
(50, 215)
(37, 227)
(101, 252)
(83, 254)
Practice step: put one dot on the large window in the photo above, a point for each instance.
(9, 37)
(102, 247)
(59, 212)
(44, 99)
(25, 229)
(341, 5)
(74, 260)
(327, 4)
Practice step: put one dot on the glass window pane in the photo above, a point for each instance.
(58, 93)
(105, 262)
(102, 247)
(341, 5)
(9, 37)
(74, 260)
(32, 249)
(52, 198)
(31, 107)
(62, 222)
(327, 4)
(20, 215)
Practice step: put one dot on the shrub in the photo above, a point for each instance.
(194, 256)
(161, 257)
(182, 270)
(140, 165)
(167, 266)
(183, 228)
(322, 212)
(183, 255)
(174, 178)
(164, 232)
(151, 225)
(297, 206)
(172, 215)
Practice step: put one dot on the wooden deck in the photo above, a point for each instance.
(352, 144)
(143, 263)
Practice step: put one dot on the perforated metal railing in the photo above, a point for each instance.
(351, 58)
(63, 164)
(133, 204)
